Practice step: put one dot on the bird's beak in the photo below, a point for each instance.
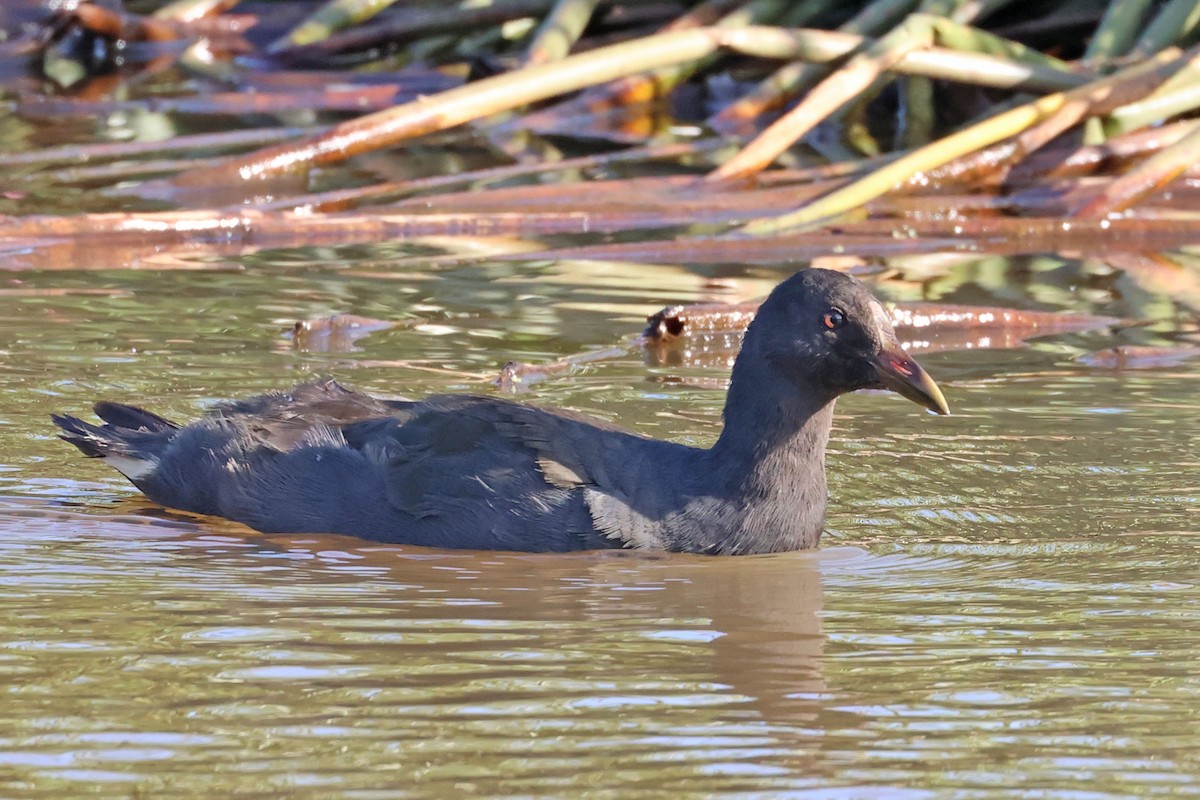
(901, 373)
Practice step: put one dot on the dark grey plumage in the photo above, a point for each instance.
(488, 473)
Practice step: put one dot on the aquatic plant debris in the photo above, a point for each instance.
(757, 131)
(710, 334)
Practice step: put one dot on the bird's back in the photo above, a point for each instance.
(449, 471)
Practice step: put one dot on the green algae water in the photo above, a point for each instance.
(1005, 605)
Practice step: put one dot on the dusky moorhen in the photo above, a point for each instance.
(486, 473)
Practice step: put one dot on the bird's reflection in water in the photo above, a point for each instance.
(626, 657)
(737, 641)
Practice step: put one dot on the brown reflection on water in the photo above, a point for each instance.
(151, 647)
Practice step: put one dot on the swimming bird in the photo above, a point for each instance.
(461, 471)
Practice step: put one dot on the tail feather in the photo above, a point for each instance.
(122, 416)
(92, 440)
(132, 451)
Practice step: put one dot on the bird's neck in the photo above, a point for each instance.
(771, 456)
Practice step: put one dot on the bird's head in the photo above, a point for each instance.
(825, 330)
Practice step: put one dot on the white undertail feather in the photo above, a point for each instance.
(135, 469)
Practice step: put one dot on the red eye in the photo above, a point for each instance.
(833, 319)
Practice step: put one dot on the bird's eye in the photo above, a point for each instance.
(834, 318)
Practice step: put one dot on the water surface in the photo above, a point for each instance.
(1006, 603)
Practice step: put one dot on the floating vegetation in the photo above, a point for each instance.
(728, 130)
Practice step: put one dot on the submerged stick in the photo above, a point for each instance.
(922, 325)
(393, 190)
(191, 143)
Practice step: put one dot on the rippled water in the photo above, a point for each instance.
(1006, 603)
